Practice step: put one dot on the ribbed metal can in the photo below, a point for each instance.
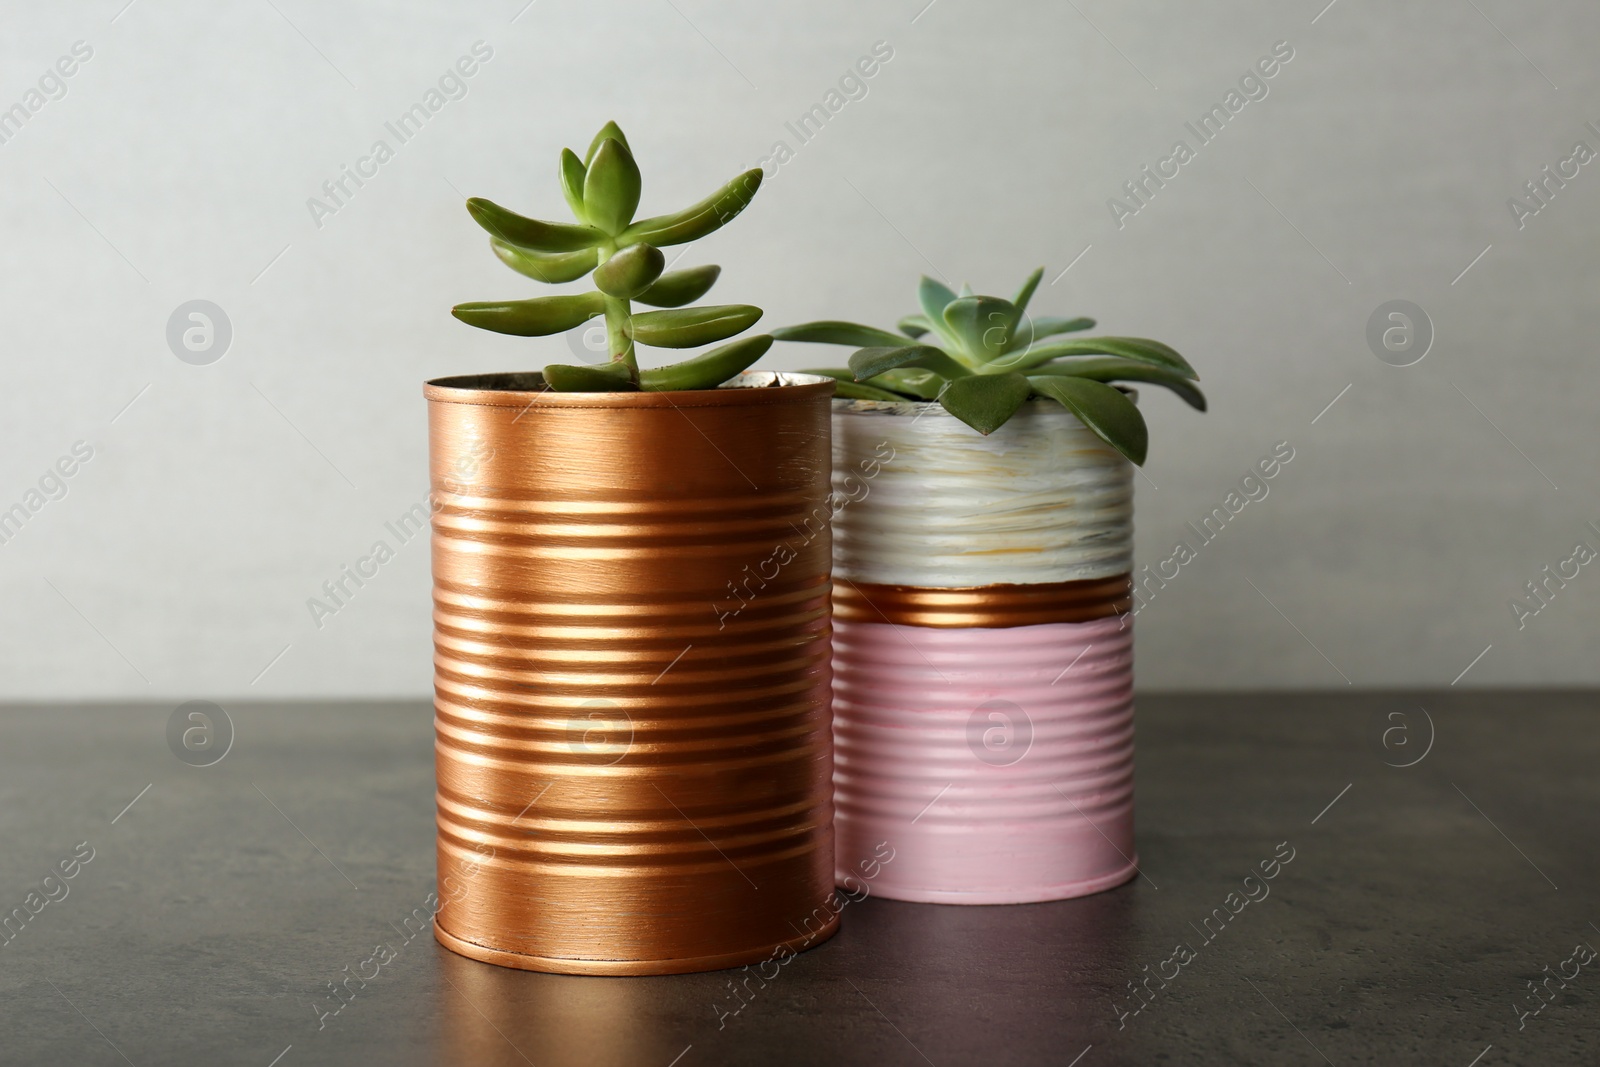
(983, 654)
(631, 673)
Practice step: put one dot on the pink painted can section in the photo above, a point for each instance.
(997, 763)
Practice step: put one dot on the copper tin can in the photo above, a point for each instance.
(631, 673)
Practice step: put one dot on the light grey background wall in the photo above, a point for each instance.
(175, 164)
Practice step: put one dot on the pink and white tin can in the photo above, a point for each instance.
(983, 654)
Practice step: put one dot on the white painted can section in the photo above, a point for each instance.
(996, 763)
(927, 500)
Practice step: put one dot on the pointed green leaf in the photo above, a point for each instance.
(914, 325)
(983, 323)
(1030, 331)
(1111, 369)
(630, 272)
(689, 327)
(871, 362)
(1104, 410)
(538, 317)
(679, 287)
(851, 389)
(1019, 327)
(933, 296)
(986, 401)
(606, 378)
(572, 175)
(551, 267)
(1136, 348)
(1050, 325)
(1026, 292)
(923, 384)
(529, 233)
(709, 369)
(609, 131)
(860, 391)
(697, 220)
(834, 332)
(611, 188)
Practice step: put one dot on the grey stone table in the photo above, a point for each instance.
(1419, 904)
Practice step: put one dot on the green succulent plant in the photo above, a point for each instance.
(981, 357)
(602, 190)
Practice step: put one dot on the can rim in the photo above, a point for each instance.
(523, 961)
(848, 406)
(524, 389)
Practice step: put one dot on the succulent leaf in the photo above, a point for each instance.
(933, 296)
(606, 378)
(1140, 349)
(1050, 325)
(983, 324)
(985, 401)
(709, 369)
(835, 332)
(551, 267)
(611, 187)
(1104, 410)
(538, 317)
(529, 233)
(914, 325)
(630, 272)
(572, 175)
(861, 391)
(871, 362)
(679, 287)
(610, 131)
(913, 381)
(1026, 292)
(1112, 369)
(690, 327)
(697, 220)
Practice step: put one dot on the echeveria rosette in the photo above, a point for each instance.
(624, 255)
(981, 357)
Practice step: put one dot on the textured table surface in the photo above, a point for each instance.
(1419, 904)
